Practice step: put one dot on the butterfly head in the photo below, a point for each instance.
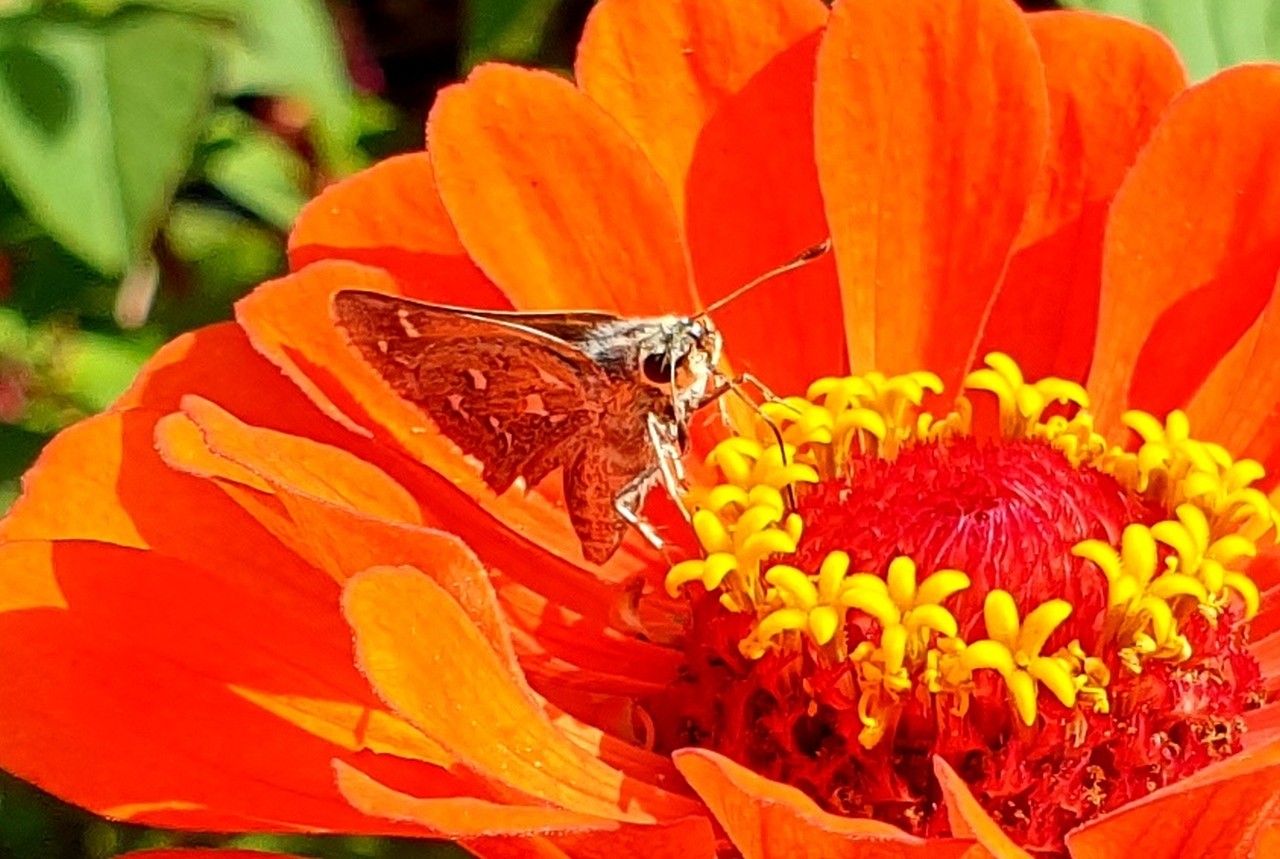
(681, 359)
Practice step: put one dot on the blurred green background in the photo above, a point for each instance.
(153, 154)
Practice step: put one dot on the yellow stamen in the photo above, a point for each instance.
(1156, 577)
(1012, 648)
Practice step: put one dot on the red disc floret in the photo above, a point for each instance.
(1006, 513)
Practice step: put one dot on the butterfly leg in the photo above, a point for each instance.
(754, 381)
(631, 499)
(664, 437)
(734, 384)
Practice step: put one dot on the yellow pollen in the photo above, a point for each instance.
(1156, 577)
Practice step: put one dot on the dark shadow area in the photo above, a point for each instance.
(45, 95)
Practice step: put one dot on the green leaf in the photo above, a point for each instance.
(257, 170)
(51, 281)
(1209, 34)
(11, 8)
(99, 367)
(225, 10)
(290, 47)
(505, 29)
(224, 254)
(97, 124)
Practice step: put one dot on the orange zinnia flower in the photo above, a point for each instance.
(1002, 612)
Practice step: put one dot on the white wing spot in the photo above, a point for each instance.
(409, 327)
(478, 381)
(382, 346)
(455, 403)
(551, 380)
(533, 405)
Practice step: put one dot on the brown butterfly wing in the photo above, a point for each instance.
(519, 401)
(592, 482)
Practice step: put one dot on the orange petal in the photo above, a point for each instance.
(1192, 246)
(967, 817)
(289, 322)
(1222, 810)
(74, 490)
(686, 838)
(305, 467)
(127, 701)
(561, 648)
(37, 586)
(1109, 81)
(753, 205)
(359, 728)
(1264, 571)
(429, 661)
(564, 648)
(768, 820)
(316, 518)
(931, 126)
(473, 820)
(101, 480)
(1263, 725)
(663, 70)
(1267, 620)
(1268, 843)
(390, 216)
(1238, 406)
(552, 199)
(626, 755)
(1267, 651)
(219, 364)
(691, 83)
(459, 817)
(96, 479)
(243, 637)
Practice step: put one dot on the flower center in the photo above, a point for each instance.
(1060, 619)
(1006, 514)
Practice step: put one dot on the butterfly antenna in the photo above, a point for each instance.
(803, 259)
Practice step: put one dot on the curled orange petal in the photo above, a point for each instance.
(1109, 81)
(430, 663)
(967, 817)
(390, 216)
(768, 820)
(1225, 809)
(1192, 246)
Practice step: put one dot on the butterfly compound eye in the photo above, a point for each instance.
(656, 367)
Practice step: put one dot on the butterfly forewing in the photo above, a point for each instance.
(521, 402)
